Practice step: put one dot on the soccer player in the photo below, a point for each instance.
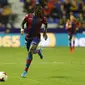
(34, 23)
(72, 25)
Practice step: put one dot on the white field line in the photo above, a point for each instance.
(55, 62)
(3, 63)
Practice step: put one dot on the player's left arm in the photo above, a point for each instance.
(45, 31)
(78, 25)
(45, 28)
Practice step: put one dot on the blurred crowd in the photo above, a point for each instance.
(58, 11)
(6, 15)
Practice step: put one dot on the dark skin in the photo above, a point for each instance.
(38, 13)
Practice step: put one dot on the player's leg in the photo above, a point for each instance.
(34, 49)
(73, 39)
(28, 63)
(31, 46)
(29, 59)
(70, 42)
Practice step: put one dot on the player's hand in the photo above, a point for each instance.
(77, 29)
(22, 31)
(45, 36)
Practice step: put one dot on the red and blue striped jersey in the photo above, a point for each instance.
(34, 24)
(72, 26)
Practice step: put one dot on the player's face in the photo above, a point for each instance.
(38, 11)
(72, 18)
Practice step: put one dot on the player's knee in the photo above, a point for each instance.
(73, 38)
(70, 38)
(33, 48)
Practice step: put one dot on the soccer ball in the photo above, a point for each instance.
(3, 76)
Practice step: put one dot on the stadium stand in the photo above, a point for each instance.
(57, 11)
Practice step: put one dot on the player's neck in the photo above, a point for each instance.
(37, 16)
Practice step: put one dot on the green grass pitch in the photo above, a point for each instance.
(58, 67)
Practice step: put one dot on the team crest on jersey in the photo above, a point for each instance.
(31, 18)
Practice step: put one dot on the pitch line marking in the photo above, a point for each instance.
(55, 62)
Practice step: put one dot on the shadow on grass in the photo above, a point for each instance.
(61, 77)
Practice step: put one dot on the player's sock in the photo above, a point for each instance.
(73, 44)
(28, 62)
(39, 52)
(70, 45)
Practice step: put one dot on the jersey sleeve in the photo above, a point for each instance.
(77, 24)
(26, 17)
(44, 20)
(68, 25)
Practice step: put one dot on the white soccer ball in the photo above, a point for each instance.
(3, 76)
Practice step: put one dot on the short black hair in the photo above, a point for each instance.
(37, 6)
(38, 9)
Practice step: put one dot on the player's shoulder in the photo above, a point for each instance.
(29, 15)
(68, 20)
(43, 17)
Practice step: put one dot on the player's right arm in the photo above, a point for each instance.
(68, 24)
(23, 23)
